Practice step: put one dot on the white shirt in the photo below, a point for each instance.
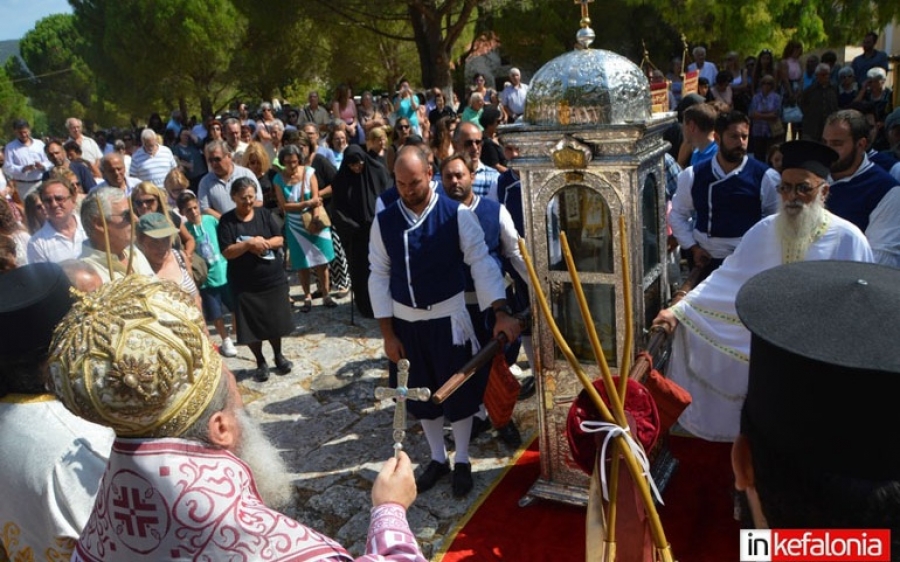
(97, 260)
(883, 231)
(681, 216)
(90, 151)
(485, 272)
(709, 71)
(129, 181)
(152, 167)
(514, 98)
(19, 156)
(51, 245)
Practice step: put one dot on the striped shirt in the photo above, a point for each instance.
(152, 168)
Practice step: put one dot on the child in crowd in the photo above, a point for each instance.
(214, 293)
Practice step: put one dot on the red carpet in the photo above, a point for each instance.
(697, 516)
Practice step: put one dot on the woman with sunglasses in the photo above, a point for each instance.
(147, 198)
(402, 130)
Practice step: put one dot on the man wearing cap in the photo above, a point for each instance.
(52, 461)
(862, 192)
(191, 476)
(719, 199)
(24, 159)
(107, 221)
(817, 447)
(711, 348)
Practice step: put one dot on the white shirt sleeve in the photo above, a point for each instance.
(681, 216)
(509, 244)
(883, 231)
(769, 192)
(485, 271)
(895, 172)
(380, 274)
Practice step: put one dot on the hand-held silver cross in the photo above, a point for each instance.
(402, 393)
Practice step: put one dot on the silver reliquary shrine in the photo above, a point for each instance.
(590, 151)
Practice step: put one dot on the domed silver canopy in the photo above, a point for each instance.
(588, 86)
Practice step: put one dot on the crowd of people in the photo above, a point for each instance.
(414, 204)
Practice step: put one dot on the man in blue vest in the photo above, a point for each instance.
(718, 200)
(862, 192)
(419, 250)
(501, 237)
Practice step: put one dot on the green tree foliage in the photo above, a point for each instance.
(13, 105)
(749, 25)
(171, 50)
(281, 46)
(531, 35)
(435, 26)
(52, 74)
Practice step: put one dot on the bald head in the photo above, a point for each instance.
(112, 168)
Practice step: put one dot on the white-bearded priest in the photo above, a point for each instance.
(711, 348)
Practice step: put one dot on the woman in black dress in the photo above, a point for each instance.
(251, 241)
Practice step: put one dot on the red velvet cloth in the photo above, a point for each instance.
(697, 517)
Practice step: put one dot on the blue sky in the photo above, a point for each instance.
(17, 17)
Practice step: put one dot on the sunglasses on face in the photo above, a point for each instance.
(51, 198)
(215, 159)
(145, 202)
(472, 142)
(403, 127)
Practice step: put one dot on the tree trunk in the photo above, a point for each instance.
(434, 53)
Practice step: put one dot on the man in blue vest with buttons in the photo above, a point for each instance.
(862, 192)
(718, 200)
(419, 249)
(502, 239)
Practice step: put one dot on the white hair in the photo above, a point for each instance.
(148, 134)
(73, 121)
(699, 50)
(876, 73)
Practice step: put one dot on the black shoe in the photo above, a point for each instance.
(509, 434)
(462, 479)
(433, 472)
(282, 365)
(527, 390)
(261, 374)
(479, 426)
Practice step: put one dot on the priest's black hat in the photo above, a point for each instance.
(33, 299)
(808, 155)
(824, 366)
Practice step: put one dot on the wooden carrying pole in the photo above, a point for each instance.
(663, 549)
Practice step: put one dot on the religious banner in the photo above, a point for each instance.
(690, 83)
(659, 97)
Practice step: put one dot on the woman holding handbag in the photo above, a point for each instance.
(307, 225)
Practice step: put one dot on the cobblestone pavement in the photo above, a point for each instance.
(334, 435)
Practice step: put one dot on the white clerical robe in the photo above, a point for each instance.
(711, 347)
(51, 463)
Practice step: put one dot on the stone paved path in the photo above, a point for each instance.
(334, 435)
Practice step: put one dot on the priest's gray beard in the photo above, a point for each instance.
(273, 481)
(796, 223)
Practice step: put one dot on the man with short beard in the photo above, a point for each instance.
(190, 476)
(727, 194)
(862, 192)
(711, 347)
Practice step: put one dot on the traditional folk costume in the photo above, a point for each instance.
(133, 355)
(418, 265)
(725, 205)
(711, 347)
(52, 461)
(870, 199)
